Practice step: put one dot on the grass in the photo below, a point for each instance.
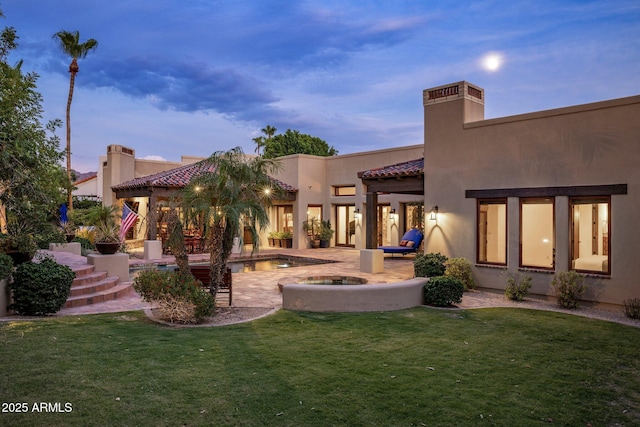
(414, 367)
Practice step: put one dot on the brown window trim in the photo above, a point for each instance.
(586, 200)
(544, 192)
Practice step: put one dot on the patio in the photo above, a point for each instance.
(258, 288)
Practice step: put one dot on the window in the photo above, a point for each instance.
(347, 190)
(414, 216)
(492, 231)
(284, 218)
(589, 230)
(537, 240)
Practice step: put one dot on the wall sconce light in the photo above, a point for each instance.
(393, 216)
(434, 213)
(357, 214)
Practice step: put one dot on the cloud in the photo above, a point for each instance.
(152, 157)
(180, 86)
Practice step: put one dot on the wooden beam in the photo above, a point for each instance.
(397, 185)
(573, 191)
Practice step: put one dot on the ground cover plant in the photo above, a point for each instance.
(422, 366)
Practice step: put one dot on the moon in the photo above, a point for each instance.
(492, 62)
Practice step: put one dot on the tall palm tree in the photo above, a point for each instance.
(259, 140)
(232, 198)
(269, 131)
(70, 44)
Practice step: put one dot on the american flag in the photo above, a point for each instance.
(129, 218)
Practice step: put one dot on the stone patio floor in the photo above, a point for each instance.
(257, 288)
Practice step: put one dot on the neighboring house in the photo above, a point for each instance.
(534, 194)
(86, 187)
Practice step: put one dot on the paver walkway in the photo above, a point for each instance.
(259, 288)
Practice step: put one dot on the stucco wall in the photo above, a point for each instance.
(594, 144)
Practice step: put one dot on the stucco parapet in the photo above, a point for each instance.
(575, 109)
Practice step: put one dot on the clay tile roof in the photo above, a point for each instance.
(180, 177)
(410, 168)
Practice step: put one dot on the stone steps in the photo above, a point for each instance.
(113, 293)
(92, 287)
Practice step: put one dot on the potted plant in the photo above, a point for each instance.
(69, 230)
(272, 238)
(325, 234)
(106, 229)
(19, 243)
(107, 237)
(312, 227)
(286, 239)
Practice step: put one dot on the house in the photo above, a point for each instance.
(533, 194)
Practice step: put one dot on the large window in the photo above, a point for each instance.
(537, 240)
(492, 231)
(590, 235)
(314, 213)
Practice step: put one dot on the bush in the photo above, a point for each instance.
(569, 287)
(517, 287)
(6, 266)
(180, 297)
(460, 268)
(41, 287)
(632, 308)
(443, 291)
(429, 265)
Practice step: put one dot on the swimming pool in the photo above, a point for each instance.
(252, 264)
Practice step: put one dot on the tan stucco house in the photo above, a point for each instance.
(536, 193)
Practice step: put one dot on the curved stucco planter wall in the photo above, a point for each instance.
(353, 298)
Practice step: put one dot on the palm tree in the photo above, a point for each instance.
(70, 44)
(232, 198)
(269, 131)
(259, 140)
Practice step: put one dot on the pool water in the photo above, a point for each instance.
(257, 264)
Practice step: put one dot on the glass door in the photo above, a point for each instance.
(345, 225)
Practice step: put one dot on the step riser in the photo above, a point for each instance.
(115, 293)
(88, 279)
(90, 288)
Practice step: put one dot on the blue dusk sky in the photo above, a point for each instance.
(173, 77)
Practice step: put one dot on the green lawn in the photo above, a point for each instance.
(508, 367)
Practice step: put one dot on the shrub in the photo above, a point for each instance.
(443, 291)
(569, 287)
(460, 268)
(41, 287)
(429, 265)
(632, 308)
(6, 266)
(517, 287)
(180, 297)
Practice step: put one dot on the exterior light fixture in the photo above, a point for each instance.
(434, 213)
(357, 214)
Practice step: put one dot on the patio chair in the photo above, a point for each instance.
(409, 243)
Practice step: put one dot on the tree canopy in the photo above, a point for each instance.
(294, 142)
(31, 177)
